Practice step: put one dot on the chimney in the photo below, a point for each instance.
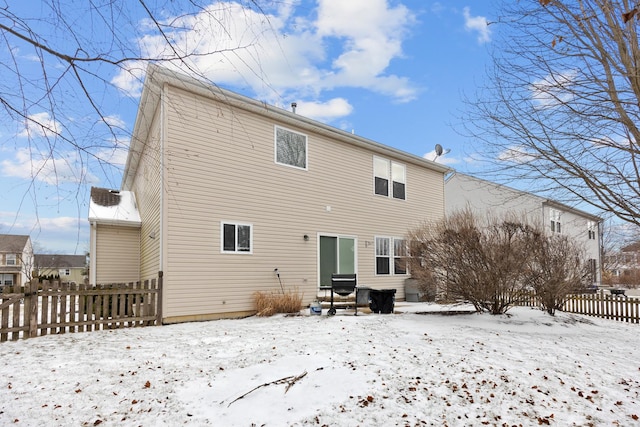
(293, 107)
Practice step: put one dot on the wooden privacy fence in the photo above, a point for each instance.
(606, 306)
(56, 308)
(616, 307)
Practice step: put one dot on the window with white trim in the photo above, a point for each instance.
(389, 178)
(556, 225)
(290, 148)
(236, 237)
(11, 259)
(64, 272)
(6, 279)
(391, 256)
(399, 256)
(591, 230)
(398, 178)
(381, 176)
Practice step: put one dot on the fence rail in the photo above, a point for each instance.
(57, 308)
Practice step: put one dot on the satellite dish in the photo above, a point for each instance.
(439, 150)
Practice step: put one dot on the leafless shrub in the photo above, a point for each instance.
(492, 263)
(557, 269)
(270, 303)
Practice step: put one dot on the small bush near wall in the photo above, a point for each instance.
(270, 303)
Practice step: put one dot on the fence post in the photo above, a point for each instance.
(159, 300)
(33, 307)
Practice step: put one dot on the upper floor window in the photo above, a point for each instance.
(11, 259)
(556, 225)
(389, 178)
(64, 272)
(291, 148)
(391, 256)
(591, 230)
(236, 238)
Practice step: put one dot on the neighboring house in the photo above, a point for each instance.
(69, 268)
(16, 259)
(464, 191)
(227, 196)
(622, 268)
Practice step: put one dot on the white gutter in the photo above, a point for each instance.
(120, 222)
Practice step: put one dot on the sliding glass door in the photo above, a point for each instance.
(337, 255)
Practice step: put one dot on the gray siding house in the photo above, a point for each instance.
(220, 190)
(488, 198)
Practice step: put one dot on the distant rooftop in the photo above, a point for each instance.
(12, 242)
(58, 261)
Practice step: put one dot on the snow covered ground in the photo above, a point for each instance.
(405, 369)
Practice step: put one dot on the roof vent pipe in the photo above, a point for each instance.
(293, 107)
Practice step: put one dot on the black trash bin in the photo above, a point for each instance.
(382, 300)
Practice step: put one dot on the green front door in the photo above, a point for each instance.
(337, 255)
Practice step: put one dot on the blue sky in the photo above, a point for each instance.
(391, 71)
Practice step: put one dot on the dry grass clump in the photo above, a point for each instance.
(270, 303)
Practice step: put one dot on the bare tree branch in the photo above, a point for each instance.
(562, 107)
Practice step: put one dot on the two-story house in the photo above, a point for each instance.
(16, 259)
(227, 196)
(68, 268)
(488, 198)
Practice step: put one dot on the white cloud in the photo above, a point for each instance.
(516, 154)
(477, 24)
(61, 223)
(65, 234)
(340, 44)
(27, 223)
(326, 111)
(46, 168)
(115, 121)
(130, 79)
(116, 155)
(39, 125)
(553, 90)
(372, 35)
(437, 7)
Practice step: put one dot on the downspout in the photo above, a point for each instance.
(162, 172)
(600, 253)
(161, 240)
(92, 253)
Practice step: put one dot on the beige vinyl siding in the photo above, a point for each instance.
(147, 186)
(220, 167)
(118, 249)
(75, 274)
